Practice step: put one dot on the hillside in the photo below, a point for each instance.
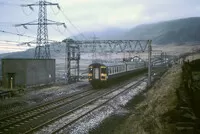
(166, 32)
(162, 33)
(55, 49)
(175, 31)
(105, 34)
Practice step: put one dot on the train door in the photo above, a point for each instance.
(96, 73)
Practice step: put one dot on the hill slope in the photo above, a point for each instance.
(175, 31)
(166, 32)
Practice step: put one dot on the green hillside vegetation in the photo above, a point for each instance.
(167, 32)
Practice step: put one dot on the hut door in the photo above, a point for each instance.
(11, 80)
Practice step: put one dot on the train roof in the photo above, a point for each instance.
(108, 64)
(114, 64)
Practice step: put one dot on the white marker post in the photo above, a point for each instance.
(11, 83)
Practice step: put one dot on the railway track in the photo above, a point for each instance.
(24, 121)
(34, 119)
(17, 119)
(4, 94)
(104, 100)
(31, 120)
(106, 97)
(59, 130)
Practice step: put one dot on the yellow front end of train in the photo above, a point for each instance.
(97, 75)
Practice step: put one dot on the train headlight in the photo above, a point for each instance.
(103, 74)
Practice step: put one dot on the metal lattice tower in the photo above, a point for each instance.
(42, 50)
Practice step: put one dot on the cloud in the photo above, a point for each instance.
(92, 15)
(98, 14)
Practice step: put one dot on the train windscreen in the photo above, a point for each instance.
(90, 70)
(103, 70)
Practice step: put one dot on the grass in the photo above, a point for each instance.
(151, 116)
(110, 124)
(155, 111)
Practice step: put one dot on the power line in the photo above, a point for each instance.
(16, 34)
(42, 50)
(27, 14)
(17, 43)
(72, 34)
(55, 13)
(8, 41)
(72, 24)
(62, 33)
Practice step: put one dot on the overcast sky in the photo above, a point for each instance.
(92, 15)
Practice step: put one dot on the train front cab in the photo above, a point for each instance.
(97, 75)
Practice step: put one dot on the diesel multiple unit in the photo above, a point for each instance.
(101, 73)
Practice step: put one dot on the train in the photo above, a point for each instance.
(101, 74)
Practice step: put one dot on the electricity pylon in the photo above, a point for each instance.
(42, 50)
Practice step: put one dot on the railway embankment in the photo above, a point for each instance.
(145, 108)
(188, 94)
(171, 105)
